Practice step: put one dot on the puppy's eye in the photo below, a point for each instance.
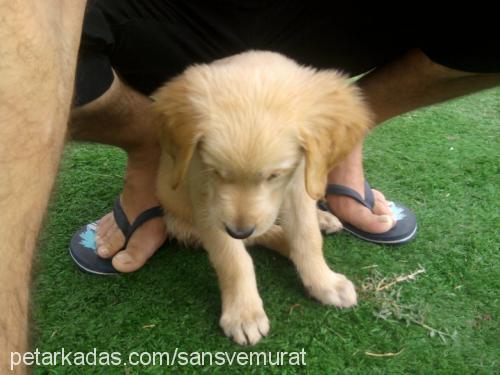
(273, 176)
(221, 176)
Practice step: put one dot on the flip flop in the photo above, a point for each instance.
(406, 223)
(83, 247)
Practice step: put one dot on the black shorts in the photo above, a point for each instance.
(146, 42)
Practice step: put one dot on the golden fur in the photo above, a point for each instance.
(247, 142)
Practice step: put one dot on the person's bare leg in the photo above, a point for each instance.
(121, 117)
(39, 44)
(411, 82)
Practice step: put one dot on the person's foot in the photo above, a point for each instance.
(350, 173)
(138, 195)
(347, 210)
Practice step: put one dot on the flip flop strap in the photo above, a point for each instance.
(125, 226)
(120, 217)
(149, 214)
(368, 201)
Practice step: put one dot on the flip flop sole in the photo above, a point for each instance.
(403, 232)
(82, 249)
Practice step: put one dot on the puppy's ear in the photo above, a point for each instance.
(177, 125)
(336, 119)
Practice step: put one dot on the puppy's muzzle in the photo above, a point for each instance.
(239, 233)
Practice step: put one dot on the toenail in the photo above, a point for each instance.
(123, 258)
(104, 251)
(385, 219)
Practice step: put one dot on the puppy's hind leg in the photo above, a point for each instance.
(328, 222)
(274, 239)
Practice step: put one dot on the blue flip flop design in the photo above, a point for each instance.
(406, 223)
(83, 247)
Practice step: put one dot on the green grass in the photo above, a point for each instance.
(441, 161)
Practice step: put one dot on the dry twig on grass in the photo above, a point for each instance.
(379, 289)
(384, 354)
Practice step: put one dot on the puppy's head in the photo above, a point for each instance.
(247, 125)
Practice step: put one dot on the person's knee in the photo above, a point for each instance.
(118, 117)
(102, 102)
(435, 70)
(110, 109)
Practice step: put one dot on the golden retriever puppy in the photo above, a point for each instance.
(247, 143)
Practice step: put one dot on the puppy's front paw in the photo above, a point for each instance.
(334, 289)
(328, 222)
(245, 324)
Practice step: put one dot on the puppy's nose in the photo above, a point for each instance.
(239, 233)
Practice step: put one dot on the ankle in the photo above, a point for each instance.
(139, 191)
(350, 171)
(135, 199)
(143, 154)
(354, 181)
(140, 182)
